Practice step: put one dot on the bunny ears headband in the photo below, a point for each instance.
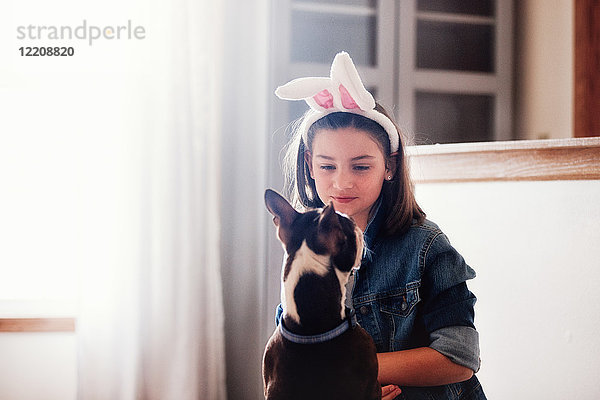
(343, 91)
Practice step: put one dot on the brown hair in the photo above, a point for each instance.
(397, 195)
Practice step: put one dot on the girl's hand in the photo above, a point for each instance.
(390, 392)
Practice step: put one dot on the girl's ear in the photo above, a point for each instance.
(308, 161)
(391, 164)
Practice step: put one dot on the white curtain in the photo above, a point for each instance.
(151, 312)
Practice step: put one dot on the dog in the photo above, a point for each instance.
(317, 351)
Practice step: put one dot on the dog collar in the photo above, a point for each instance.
(348, 323)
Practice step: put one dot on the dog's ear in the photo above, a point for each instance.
(330, 230)
(283, 213)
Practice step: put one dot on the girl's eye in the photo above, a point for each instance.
(327, 167)
(362, 167)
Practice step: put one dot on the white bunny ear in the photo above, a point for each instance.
(343, 72)
(317, 92)
(302, 88)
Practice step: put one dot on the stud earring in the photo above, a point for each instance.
(389, 177)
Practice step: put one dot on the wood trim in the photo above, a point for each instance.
(528, 160)
(37, 324)
(586, 107)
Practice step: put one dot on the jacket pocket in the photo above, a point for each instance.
(402, 302)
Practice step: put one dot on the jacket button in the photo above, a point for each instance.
(404, 306)
(364, 310)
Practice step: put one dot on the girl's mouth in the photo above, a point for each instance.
(344, 200)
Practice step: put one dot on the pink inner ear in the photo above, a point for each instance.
(324, 99)
(347, 100)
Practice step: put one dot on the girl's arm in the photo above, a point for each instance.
(422, 366)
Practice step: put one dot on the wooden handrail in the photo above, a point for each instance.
(37, 324)
(526, 160)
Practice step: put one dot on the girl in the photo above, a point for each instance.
(410, 293)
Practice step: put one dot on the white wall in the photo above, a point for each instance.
(35, 366)
(534, 246)
(544, 69)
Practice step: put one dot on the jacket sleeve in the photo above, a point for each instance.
(278, 314)
(448, 305)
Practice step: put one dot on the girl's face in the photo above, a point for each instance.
(348, 167)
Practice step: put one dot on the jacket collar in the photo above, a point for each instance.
(372, 229)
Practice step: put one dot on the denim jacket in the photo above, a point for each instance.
(410, 292)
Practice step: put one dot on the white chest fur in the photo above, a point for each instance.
(305, 262)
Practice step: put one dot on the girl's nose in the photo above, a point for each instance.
(343, 180)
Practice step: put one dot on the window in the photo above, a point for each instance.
(442, 67)
(38, 210)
